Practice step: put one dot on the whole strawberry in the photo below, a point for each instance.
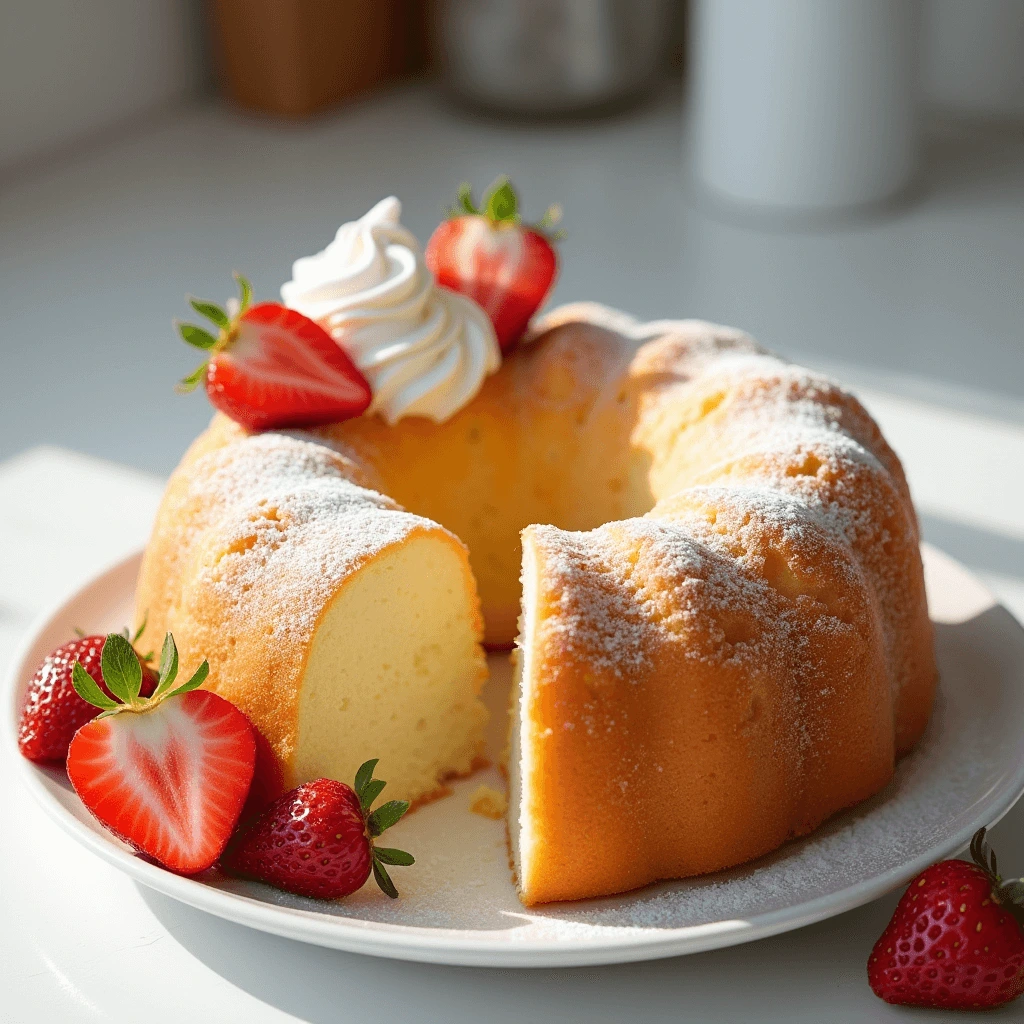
(956, 940)
(488, 254)
(318, 839)
(53, 712)
(270, 367)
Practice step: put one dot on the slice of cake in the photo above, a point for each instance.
(345, 628)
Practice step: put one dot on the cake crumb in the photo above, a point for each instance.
(488, 803)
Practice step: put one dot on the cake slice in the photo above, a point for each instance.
(344, 627)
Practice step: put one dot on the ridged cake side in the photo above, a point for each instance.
(748, 658)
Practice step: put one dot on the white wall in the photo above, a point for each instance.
(71, 68)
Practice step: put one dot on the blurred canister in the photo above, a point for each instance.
(805, 105)
(294, 57)
(974, 57)
(552, 56)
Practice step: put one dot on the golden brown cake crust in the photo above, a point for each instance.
(745, 659)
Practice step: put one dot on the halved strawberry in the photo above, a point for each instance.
(169, 774)
(488, 254)
(271, 367)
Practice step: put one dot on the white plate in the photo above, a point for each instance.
(458, 905)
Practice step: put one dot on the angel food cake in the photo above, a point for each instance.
(707, 559)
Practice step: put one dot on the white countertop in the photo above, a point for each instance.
(923, 311)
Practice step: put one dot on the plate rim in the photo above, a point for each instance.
(454, 946)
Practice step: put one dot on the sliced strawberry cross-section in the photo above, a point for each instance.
(270, 367)
(169, 775)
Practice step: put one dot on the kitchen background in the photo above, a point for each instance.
(149, 148)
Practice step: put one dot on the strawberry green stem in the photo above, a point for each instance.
(501, 207)
(1009, 894)
(199, 337)
(367, 789)
(122, 674)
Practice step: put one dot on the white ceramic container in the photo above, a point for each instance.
(805, 105)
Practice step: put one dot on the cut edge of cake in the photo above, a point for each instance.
(395, 670)
(521, 838)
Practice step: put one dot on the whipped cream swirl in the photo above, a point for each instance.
(424, 349)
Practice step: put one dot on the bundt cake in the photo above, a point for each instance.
(722, 629)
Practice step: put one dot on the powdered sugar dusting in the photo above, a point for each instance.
(278, 507)
(754, 583)
(309, 540)
(777, 450)
(594, 612)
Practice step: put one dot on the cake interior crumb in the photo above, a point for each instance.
(488, 802)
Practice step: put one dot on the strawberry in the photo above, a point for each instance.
(270, 367)
(956, 940)
(267, 779)
(488, 254)
(317, 840)
(52, 712)
(168, 775)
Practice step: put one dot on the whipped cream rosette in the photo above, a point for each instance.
(425, 350)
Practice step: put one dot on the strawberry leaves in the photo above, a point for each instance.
(169, 672)
(193, 380)
(367, 789)
(244, 292)
(122, 674)
(1010, 893)
(199, 337)
(398, 857)
(370, 793)
(197, 680)
(385, 816)
(501, 207)
(501, 204)
(121, 669)
(196, 336)
(383, 879)
(363, 776)
(168, 664)
(88, 689)
(211, 311)
(464, 202)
